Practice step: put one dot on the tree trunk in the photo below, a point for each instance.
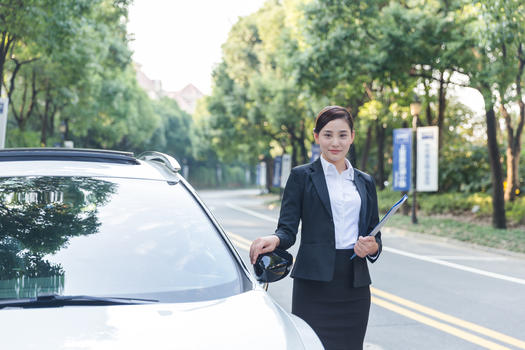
(66, 134)
(3, 54)
(380, 134)
(295, 153)
(269, 172)
(21, 116)
(428, 110)
(43, 130)
(514, 140)
(302, 140)
(1, 75)
(516, 148)
(441, 108)
(366, 149)
(352, 156)
(354, 112)
(44, 118)
(498, 202)
(511, 164)
(513, 158)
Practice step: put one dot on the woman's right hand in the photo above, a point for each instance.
(263, 245)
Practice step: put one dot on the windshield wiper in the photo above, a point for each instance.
(55, 300)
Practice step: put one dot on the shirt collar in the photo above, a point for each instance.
(329, 168)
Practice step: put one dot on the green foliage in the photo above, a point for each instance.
(516, 210)
(464, 167)
(122, 118)
(455, 203)
(17, 138)
(387, 198)
(175, 132)
(202, 175)
(70, 63)
(66, 63)
(256, 109)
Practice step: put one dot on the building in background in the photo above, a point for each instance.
(152, 87)
(186, 98)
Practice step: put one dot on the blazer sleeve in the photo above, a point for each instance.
(291, 209)
(374, 218)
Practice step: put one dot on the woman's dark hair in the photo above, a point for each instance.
(330, 113)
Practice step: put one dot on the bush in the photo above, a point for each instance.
(516, 210)
(16, 138)
(202, 175)
(455, 203)
(464, 167)
(386, 199)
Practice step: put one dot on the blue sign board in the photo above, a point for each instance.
(316, 152)
(277, 171)
(402, 159)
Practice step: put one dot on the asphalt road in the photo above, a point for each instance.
(427, 293)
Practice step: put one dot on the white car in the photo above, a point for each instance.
(103, 250)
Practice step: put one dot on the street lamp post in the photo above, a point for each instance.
(415, 109)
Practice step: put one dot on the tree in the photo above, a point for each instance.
(255, 101)
(491, 74)
(175, 132)
(506, 23)
(54, 29)
(59, 62)
(342, 63)
(427, 41)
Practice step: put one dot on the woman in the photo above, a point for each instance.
(337, 205)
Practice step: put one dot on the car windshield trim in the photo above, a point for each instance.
(55, 300)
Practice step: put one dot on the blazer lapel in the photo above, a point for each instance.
(361, 188)
(319, 181)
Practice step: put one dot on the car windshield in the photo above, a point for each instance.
(109, 237)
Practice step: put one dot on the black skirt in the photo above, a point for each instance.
(336, 311)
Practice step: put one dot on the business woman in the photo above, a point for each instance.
(337, 205)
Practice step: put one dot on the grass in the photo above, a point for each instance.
(481, 234)
(451, 215)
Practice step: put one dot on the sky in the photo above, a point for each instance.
(179, 41)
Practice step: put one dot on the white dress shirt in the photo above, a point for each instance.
(345, 203)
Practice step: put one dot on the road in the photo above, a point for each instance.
(427, 293)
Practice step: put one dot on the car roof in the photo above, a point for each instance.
(87, 162)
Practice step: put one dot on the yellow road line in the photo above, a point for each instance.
(450, 319)
(239, 241)
(240, 244)
(244, 244)
(239, 238)
(487, 344)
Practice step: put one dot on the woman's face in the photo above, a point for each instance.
(335, 140)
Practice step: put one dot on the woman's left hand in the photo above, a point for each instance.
(366, 246)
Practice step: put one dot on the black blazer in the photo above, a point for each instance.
(306, 198)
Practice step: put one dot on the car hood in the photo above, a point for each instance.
(249, 320)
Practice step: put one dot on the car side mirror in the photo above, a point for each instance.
(272, 267)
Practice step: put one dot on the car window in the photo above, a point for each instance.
(109, 237)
